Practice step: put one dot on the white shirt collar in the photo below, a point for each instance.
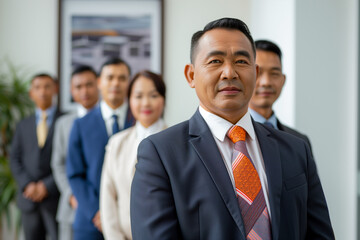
(81, 111)
(219, 126)
(107, 111)
(143, 132)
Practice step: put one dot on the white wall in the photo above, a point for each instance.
(28, 34)
(326, 99)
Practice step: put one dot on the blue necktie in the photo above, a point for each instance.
(269, 124)
(115, 127)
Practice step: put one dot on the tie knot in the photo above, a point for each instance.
(43, 115)
(236, 133)
(269, 124)
(115, 117)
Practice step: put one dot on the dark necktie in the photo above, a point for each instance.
(269, 124)
(248, 189)
(115, 126)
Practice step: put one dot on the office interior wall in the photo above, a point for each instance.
(326, 100)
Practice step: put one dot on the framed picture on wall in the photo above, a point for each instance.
(92, 31)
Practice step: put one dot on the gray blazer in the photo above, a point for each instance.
(58, 165)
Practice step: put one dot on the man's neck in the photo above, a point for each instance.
(265, 112)
(113, 105)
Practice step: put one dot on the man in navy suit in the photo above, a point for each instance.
(87, 142)
(37, 195)
(269, 83)
(184, 186)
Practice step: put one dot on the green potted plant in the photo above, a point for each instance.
(15, 104)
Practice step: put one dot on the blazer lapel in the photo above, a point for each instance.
(270, 152)
(205, 146)
(100, 123)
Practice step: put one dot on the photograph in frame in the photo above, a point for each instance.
(93, 31)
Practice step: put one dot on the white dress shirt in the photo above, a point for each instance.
(219, 128)
(107, 113)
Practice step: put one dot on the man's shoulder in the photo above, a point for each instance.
(174, 133)
(293, 132)
(66, 118)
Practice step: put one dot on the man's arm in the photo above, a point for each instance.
(318, 222)
(16, 160)
(76, 168)
(152, 207)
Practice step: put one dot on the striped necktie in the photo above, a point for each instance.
(248, 189)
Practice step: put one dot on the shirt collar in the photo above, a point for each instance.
(219, 126)
(107, 111)
(143, 132)
(259, 118)
(50, 112)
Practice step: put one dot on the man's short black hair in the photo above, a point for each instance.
(226, 23)
(115, 61)
(83, 68)
(268, 46)
(43, 74)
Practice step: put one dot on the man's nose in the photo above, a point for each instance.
(264, 79)
(228, 71)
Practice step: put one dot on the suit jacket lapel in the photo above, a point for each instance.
(205, 146)
(100, 123)
(270, 152)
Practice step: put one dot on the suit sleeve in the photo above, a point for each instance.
(58, 159)
(318, 224)
(109, 210)
(76, 167)
(16, 160)
(152, 207)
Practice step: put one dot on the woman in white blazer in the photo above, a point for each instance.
(146, 95)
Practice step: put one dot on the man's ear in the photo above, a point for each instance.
(189, 74)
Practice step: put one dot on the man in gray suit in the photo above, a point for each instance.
(84, 92)
(269, 84)
(37, 195)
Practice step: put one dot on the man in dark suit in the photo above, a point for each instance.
(31, 149)
(197, 180)
(269, 83)
(88, 138)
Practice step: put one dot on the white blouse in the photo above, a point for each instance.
(117, 174)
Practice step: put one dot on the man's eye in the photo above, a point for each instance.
(215, 61)
(241, 61)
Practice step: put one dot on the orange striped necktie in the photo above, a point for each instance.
(248, 188)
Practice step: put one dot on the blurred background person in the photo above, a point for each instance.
(37, 195)
(88, 138)
(146, 96)
(269, 84)
(84, 92)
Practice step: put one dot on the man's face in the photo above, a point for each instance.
(269, 82)
(113, 84)
(223, 73)
(84, 89)
(42, 91)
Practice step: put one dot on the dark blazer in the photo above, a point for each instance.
(30, 163)
(292, 131)
(85, 157)
(182, 190)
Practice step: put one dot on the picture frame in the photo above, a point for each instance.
(92, 31)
